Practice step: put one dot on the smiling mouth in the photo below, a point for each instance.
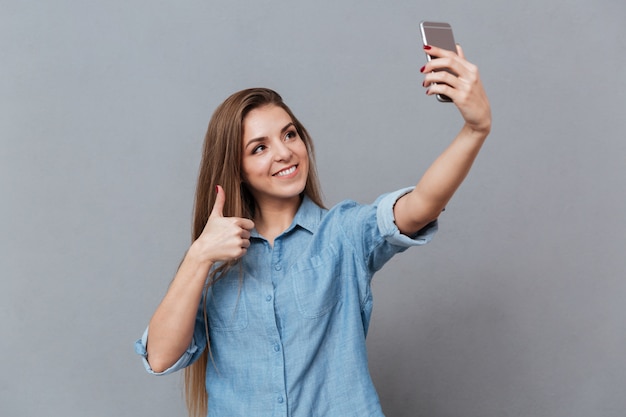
(286, 171)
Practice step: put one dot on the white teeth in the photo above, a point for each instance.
(286, 171)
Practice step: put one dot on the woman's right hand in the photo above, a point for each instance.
(223, 238)
(172, 325)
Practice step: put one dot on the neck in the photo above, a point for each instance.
(273, 218)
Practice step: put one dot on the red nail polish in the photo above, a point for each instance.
(217, 189)
(427, 47)
(423, 68)
(427, 91)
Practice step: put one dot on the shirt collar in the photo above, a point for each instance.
(308, 216)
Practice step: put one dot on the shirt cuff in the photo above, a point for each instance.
(387, 225)
(183, 361)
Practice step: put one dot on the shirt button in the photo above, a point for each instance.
(276, 347)
(278, 267)
(281, 399)
(268, 298)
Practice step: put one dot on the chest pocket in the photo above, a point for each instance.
(226, 306)
(317, 283)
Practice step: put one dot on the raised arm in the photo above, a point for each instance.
(172, 325)
(433, 191)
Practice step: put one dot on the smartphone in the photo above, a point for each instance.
(438, 34)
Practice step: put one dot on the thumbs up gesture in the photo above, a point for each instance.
(224, 238)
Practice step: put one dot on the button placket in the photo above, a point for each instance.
(276, 272)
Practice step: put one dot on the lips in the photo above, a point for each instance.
(285, 172)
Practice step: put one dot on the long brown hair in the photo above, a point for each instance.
(221, 165)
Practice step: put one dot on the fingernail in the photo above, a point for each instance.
(217, 189)
(423, 68)
(427, 91)
(427, 47)
(423, 83)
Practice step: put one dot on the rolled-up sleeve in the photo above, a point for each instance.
(191, 354)
(387, 225)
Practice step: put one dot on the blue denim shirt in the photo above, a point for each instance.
(288, 329)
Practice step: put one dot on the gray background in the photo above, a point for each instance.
(516, 309)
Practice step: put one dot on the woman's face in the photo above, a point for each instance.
(275, 160)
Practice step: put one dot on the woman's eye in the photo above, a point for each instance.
(291, 134)
(258, 149)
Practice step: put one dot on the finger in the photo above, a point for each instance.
(437, 52)
(218, 206)
(441, 64)
(456, 65)
(459, 50)
(440, 77)
(443, 89)
(245, 224)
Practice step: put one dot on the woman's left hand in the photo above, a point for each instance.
(465, 88)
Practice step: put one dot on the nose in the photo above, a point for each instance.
(282, 152)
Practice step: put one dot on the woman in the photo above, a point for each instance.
(279, 325)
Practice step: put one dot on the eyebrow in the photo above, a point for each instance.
(262, 138)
